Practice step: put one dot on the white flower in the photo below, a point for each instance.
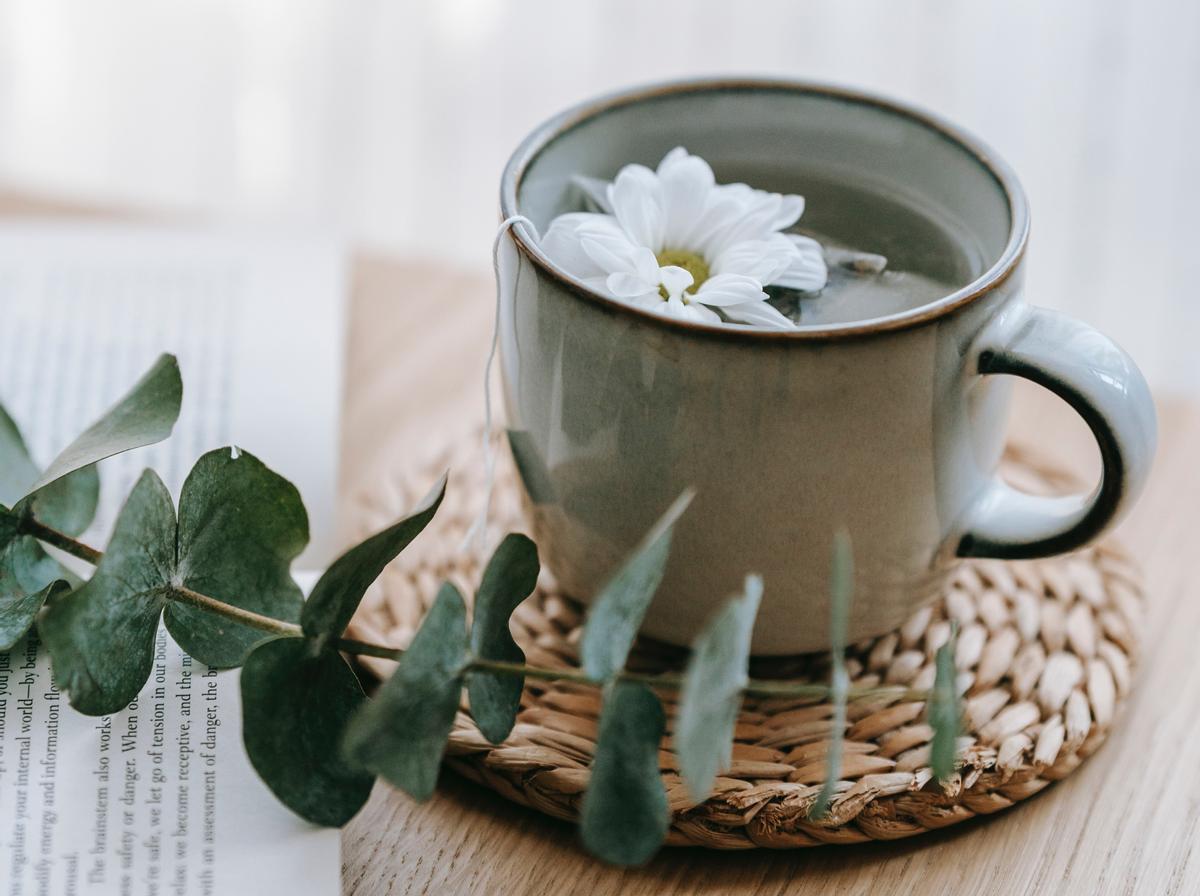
(675, 242)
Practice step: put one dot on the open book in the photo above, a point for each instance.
(161, 798)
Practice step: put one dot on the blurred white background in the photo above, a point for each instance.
(389, 122)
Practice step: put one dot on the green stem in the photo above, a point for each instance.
(669, 681)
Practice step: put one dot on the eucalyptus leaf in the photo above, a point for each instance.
(17, 469)
(716, 673)
(338, 592)
(18, 611)
(944, 712)
(841, 591)
(510, 577)
(240, 527)
(625, 814)
(68, 504)
(401, 734)
(145, 415)
(25, 571)
(101, 637)
(617, 612)
(296, 704)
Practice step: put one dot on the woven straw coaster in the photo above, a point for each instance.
(1045, 652)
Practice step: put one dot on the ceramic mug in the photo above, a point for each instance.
(890, 428)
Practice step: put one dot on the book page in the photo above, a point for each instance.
(161, 798)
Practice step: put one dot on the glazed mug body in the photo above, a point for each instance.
(890, 429)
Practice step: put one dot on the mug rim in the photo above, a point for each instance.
(986, 282)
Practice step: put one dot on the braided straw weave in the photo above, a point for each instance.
(1044, 654)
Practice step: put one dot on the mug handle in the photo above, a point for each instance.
(1099, 380)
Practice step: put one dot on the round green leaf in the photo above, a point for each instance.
(17, 469)
(67, 504)
(240, 527)
(19, 609)
(101, 637)
(625, 814)
(400, 735)
(25, 571)
(295, 707)
(509, 578)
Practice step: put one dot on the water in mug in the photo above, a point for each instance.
(927, 255)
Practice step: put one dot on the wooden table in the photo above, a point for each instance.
(1126, 822)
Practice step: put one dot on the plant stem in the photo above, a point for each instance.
(362, 648)
(60, 540)
(670, 681)
(269, 624)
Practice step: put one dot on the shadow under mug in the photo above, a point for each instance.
(889, 428)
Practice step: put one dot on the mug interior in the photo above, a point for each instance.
(785, 137)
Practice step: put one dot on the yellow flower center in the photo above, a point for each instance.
(691, 262)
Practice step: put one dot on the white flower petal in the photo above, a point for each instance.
(596, 190)
(686, 182)
(575, 228)
(613, 255)
(743, 193)
(673, 156)
(787, 212)
(673, 307)
(761, 259)
(759, 314)
(729, 289)
(807, 270)
(647, 267)
(563, 244)
(790, 210)
(703, 315)
(650, 300)
(758, 215)
(680, 310)
(719, 213)
(753, 224)
(606, 230)
(637, 201)
(627, 286)
(675, 279)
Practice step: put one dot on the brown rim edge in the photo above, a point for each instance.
(558, 125)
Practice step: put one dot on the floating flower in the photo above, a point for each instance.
(675, 242)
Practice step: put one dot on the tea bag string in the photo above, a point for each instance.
(476, 536)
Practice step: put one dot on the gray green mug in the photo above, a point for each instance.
(889, 428)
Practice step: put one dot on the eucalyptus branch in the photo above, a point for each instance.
(666, 681)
